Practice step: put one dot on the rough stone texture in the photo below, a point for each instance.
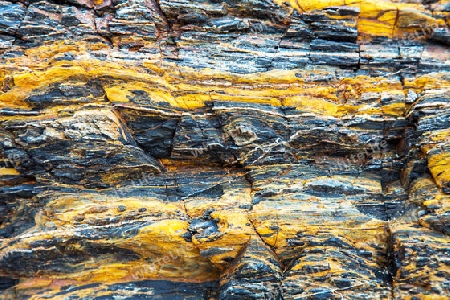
(224, 149)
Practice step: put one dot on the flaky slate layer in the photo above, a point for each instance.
(230, 150)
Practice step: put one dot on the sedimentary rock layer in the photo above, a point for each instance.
(224, 149)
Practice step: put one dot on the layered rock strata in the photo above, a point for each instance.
(224, 150)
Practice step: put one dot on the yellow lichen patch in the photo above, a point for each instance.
(166, 251)
(394, 109)
(67, 209)
(427, 82)
(439, 166)
(8, 172)
(57, 73)
(377, 17)
(367, 110)
(117, 93)
(311, 5)
(319, 106)
(366, 235)
(111, 272)
(435, 139)
(42, 53)
(395, 17)
(375, 9)
(235, 231)
(5, 80)
(365, 84)
(165, 230)
(422, 184)
(123, 92)
(170, 265)
(384, 26)
(268, 234)
(192, 100)
(34, 283)
(440, 136)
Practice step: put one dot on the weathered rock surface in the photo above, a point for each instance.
(224, 149)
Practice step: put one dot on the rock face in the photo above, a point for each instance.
(254, 149)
